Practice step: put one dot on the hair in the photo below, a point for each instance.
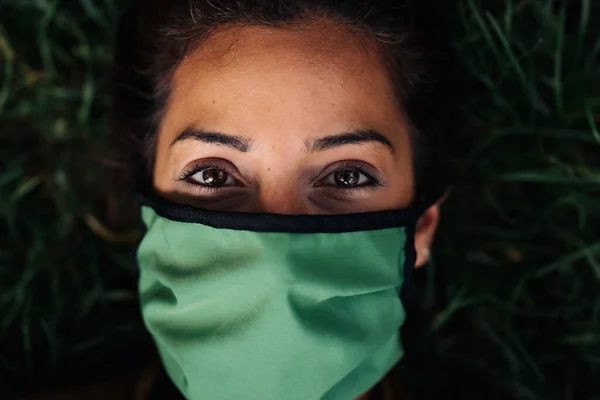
(409, 36)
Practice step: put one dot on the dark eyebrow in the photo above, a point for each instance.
(355, 137)
(235, 142)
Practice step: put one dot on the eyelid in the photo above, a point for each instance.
(217, 163)
(361, 166)
(241, 183)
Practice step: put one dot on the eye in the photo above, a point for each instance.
(348, 176)
(215, 184)
(211, 176)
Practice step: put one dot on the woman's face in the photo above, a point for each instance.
(300, 121)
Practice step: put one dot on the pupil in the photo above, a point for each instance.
(346, 178)
(214, 177)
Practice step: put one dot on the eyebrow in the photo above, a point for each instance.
(358, 136)
(239, 143)
(243, 144)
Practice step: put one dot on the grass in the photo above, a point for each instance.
(67, 283)
(509, 308)
(512, 297)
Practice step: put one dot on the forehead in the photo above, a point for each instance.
(320, 46)
(318, 69)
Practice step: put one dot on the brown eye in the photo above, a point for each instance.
(213, 177)
(347, 178)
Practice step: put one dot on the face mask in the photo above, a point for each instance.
(267, 307)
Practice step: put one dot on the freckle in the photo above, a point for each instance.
(213, 102)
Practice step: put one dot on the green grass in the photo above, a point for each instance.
(67, 294)
(508, 309)
(513, 295)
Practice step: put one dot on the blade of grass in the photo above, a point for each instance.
(93, 12)
(558, 61)
(583, 26)
(496, 205)
(53, 341)
(592, 57)
(575, 256)
(7, 56)
(43, 36)
(548, 178)
(484, 29)
(581, 210)
(457, 303)
(87, 89)
(527, 87)
(592, 121)
(111, 9)
(496, 339)
(508, 16)
(520, 348)
(26, 331)
(25, 188)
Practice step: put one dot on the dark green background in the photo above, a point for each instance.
(508, 309)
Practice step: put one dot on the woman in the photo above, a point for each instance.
(286, 157)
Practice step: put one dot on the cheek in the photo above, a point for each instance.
(398, 196)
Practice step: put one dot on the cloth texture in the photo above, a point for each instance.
(239, 314)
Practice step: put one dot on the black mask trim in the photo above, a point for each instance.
(407, 293)
(267, 222)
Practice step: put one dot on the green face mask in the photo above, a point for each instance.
(270, 307)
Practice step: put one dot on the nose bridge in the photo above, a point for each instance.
(280, 190)
(282, 201)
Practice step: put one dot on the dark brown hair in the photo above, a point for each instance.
(155, 35)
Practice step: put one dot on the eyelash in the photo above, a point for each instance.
(187, 175)
(373, 184)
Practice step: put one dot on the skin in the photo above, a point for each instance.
(278, 92)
